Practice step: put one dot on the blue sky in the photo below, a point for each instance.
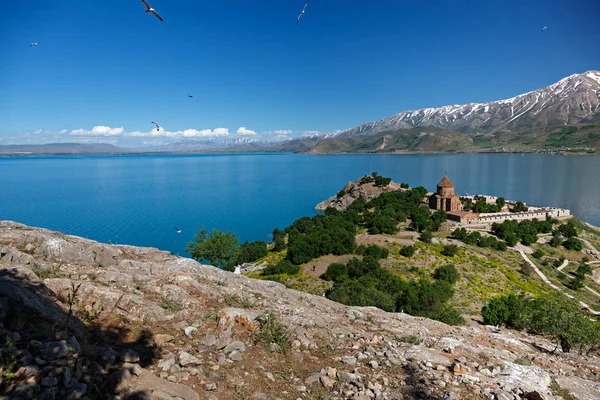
(250, 69)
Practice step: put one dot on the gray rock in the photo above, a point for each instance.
(346, 376)
(326, 382)
(502, 395)
(186, 359)
(77, 391)
(209, 340)
(221, 358)
(314, 378)
(130, 356)
(211, 387)
(148, 381)
(158, 395)
(190, 331)
(134, 369)
(162, 339)
(259, 396)
(165, 365)
(54, 350)
(237, 345)
(348, 360)
(214, 377)
(49, 381)
(235, 356)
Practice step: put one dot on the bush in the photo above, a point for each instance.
(273, 331)
(567, 230)
(407, 251)
(450, 250)
(335, 272)
(278, 240)
(448, 315)
(404, 185)
(501, 246)
(249, 252)
(373, 250)
(282, 267)
(538, 254)
(426, 236)
(446, 273)
(572, 243)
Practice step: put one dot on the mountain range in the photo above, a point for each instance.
(562, 116)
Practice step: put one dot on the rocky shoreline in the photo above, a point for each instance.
(84, 320)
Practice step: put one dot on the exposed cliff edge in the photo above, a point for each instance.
(146, 324)
(354, 190)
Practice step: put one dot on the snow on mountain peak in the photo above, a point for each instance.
(567, 101)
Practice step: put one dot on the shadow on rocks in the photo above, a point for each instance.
(54, 347)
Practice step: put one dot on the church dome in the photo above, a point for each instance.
(445, 183)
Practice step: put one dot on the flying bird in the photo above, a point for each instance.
(302, 13)
(190, 96)
(157, 127)
(33, 44)
(178, 230)
(151, 10)
(544, 28)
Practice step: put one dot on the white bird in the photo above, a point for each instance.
(33, 44)
(302, 13)
(151, 10)
(544, 28)
(177, 230)
(157, 127)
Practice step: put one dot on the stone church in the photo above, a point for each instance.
(445, 198)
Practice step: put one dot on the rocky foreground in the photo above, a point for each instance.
(84, 320)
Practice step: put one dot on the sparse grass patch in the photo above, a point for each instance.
(523, 361)
(47, 273)
(557, 390)
(171, 305)
(412, 339)
(273, 331)
(235, 300)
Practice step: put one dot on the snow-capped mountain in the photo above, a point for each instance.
(573, 99)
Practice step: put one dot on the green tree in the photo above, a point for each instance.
(446, 273)
(555, 241)
(282, 267)
(519, 207)
(572, 243)
(249, 252)
(407, 251)
(220, 248)
(450, 250)
(500, 202)
(426, 236)
(568, 230)
(538, 254)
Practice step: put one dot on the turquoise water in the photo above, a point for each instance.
(139, 200)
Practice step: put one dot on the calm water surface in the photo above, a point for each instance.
(139, 200)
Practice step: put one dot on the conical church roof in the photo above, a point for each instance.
(445, 183)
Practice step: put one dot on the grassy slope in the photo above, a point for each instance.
(484, 273)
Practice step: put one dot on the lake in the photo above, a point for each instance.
(139, 200)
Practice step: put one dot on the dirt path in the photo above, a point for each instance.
(319, 266)
(547, 281)
(564, 264)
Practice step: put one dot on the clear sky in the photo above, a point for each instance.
(251, 69)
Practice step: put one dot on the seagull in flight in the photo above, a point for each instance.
(33, 44)
(151, 10)
(302, 13)
(177, 230)
(157, 127)
(544, 28)
(190, 96)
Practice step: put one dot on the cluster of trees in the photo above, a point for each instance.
(519, 207)
(331, 233)
(525, 231)
(477, 239)
(578, 281)
(566, 235)
(365, 283)
(481, 205)
(222, 251)
(376, 179)
(553, 315)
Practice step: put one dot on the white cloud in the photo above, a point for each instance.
(187, 133)
(38, 132)
(243, 131)
(99, 130)
(63, 131)
(283, 132)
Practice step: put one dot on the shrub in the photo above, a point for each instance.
(426, 236)
(273, 331)
(448, 315)
(373, 250)
(501, 246)
(446, 273)
(538, 254)
(249, 252)
(278, 240)
(282, 267)
(407, 251)
(404, 185)
(336, 272)
(555, 241)
(572, 243)
(450, 250)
